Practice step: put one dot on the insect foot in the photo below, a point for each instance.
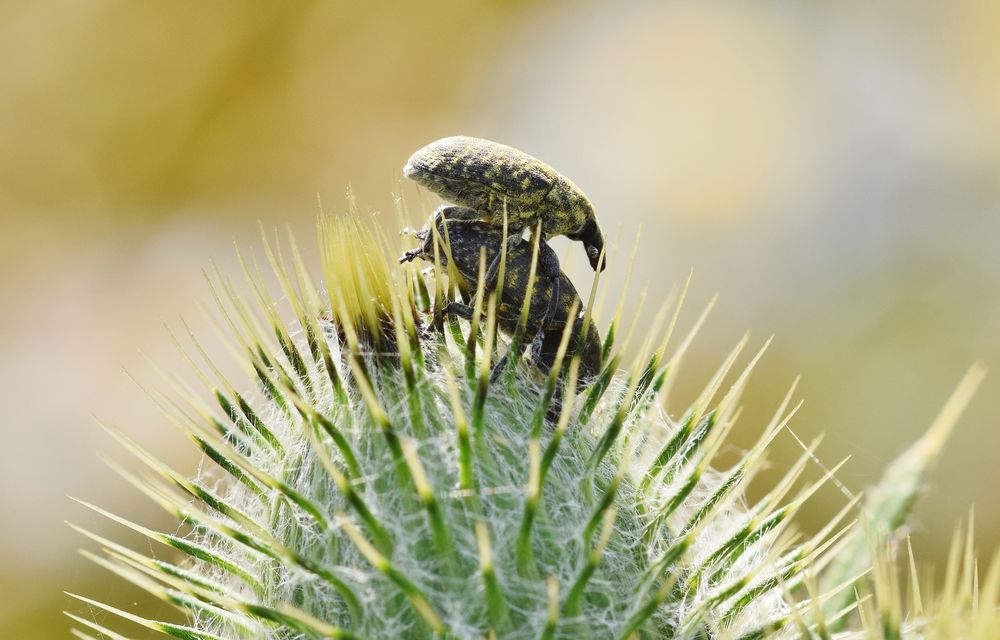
(496, 181)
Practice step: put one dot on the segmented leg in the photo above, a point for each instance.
(493, 269)
(457, 309)
(410, 255)
(548, 264)
(550, 313)
(455, 212)
(465, 311)
(536, 342)
(513, 240)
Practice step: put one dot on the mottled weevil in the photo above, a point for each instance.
(552, 297)
(488, 179)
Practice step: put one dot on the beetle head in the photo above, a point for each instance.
(593, 241)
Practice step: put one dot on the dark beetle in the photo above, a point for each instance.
(552, 296)
(488, 178)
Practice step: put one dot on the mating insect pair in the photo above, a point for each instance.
(500, 188)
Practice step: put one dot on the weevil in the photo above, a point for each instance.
(487, 180)
(552, 297)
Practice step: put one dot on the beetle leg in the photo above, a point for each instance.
(499, 367)
(535, 351)
(411, 255)
(513, 240)
(501, 364)
(456, 309)
(535, 348)
(493, 269)
(550, 313)
(548, 263)
(454, 212)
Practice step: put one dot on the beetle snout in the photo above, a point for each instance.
(595, 257)
(593, 242)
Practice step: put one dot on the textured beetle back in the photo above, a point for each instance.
(481, 174)
(492, 178)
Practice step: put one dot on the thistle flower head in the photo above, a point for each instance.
(375, 482)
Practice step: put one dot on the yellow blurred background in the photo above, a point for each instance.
(829, 168)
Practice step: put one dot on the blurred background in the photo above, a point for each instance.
(829, 168)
